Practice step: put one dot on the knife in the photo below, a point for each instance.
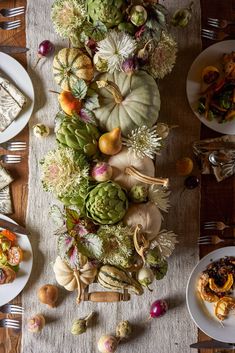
(13, 227)
(12, 50)
(212, 344)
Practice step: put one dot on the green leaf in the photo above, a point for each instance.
(92, 100)
(79, 90)
(87, 116)
(91, 246)
(56, 215)
(60, 116)
(97, 31)
(72, 218)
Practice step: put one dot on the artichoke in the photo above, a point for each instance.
(80, 136)
(109, 12)
(106, 203)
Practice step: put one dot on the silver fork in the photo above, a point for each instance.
(212, 240)
(10, 158)
(217, 225)
(11, 309)
(14, 145)
(10, 24)
(217, 23)
(16, 11)
(208, 33)
(9, 323)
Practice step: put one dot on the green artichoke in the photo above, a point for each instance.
(109, 12)
(106, 203)
(78, 135)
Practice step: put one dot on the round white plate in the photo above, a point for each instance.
(16, 74)
(11, 290)
(210, 56)
(202, 312)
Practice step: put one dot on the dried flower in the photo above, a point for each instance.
(165, 240)
(123, 329)
(143, 141)
(67, 16)
(65, 172)
(115, 48)
(79, 326)
(160, 196)
(163, 56)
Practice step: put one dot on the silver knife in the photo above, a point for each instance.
(13, 227)
(12, 50)
(212, 344)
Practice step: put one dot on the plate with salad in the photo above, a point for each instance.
(210, 87)
(16, 260)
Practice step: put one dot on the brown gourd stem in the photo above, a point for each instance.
(146, 179)
(140, 249)
(51, 91)
(112, 88)
(76, 275)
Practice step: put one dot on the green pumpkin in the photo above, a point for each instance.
(127, 101)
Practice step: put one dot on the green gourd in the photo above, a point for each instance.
(127, 101)
(114, 278)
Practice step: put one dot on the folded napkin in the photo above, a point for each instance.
(11, 103)
(5, 196)
(202, 150)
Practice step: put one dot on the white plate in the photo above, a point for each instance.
(11, 290)
(15, 72)
(210, 56)
(202, 312)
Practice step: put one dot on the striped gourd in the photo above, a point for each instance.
(69, 65)
(114, 278)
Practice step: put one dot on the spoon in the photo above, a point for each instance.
(218, 158)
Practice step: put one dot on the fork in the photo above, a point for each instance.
(217, 23)
(9, 323)
(11, 309)
(10, 158)
(217, 225)
(10, 24)
(14, 145)
(208, 33)
(12, 12)
(212, 239)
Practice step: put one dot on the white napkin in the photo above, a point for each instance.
(11, 103)
(5, 196)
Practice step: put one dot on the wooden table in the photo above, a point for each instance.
(10, 341)
(217, 199)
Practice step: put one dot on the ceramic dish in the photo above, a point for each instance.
(15, 73)
(210, 56)
(11, 290)
(202, 312)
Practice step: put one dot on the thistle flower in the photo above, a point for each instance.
(165, 240)
(64, 171)
(143, 141)
(163, 56)
(160, 196)
(67, 16)
(115, 48)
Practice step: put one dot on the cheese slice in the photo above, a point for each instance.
(11, 103)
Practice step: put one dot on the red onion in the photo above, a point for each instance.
(158, 308)
(45, 48)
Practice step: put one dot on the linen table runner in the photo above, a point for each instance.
(175, 331)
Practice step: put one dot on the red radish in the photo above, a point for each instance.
(158, 308)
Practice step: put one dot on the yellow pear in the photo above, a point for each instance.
(110, 143)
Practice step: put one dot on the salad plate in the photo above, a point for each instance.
(11, 290)
(15, 73)
(202, 312)
(208, 57)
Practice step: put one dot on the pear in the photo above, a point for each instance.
(110, 143)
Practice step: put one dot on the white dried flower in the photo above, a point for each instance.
(143, 141)
(162, 58)
(115, 48)
(165, 240)
(160, 196)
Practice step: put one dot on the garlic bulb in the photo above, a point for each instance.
(41, 130)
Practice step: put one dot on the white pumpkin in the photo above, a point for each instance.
(72, 279)
(147, 215)
(127, 159)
